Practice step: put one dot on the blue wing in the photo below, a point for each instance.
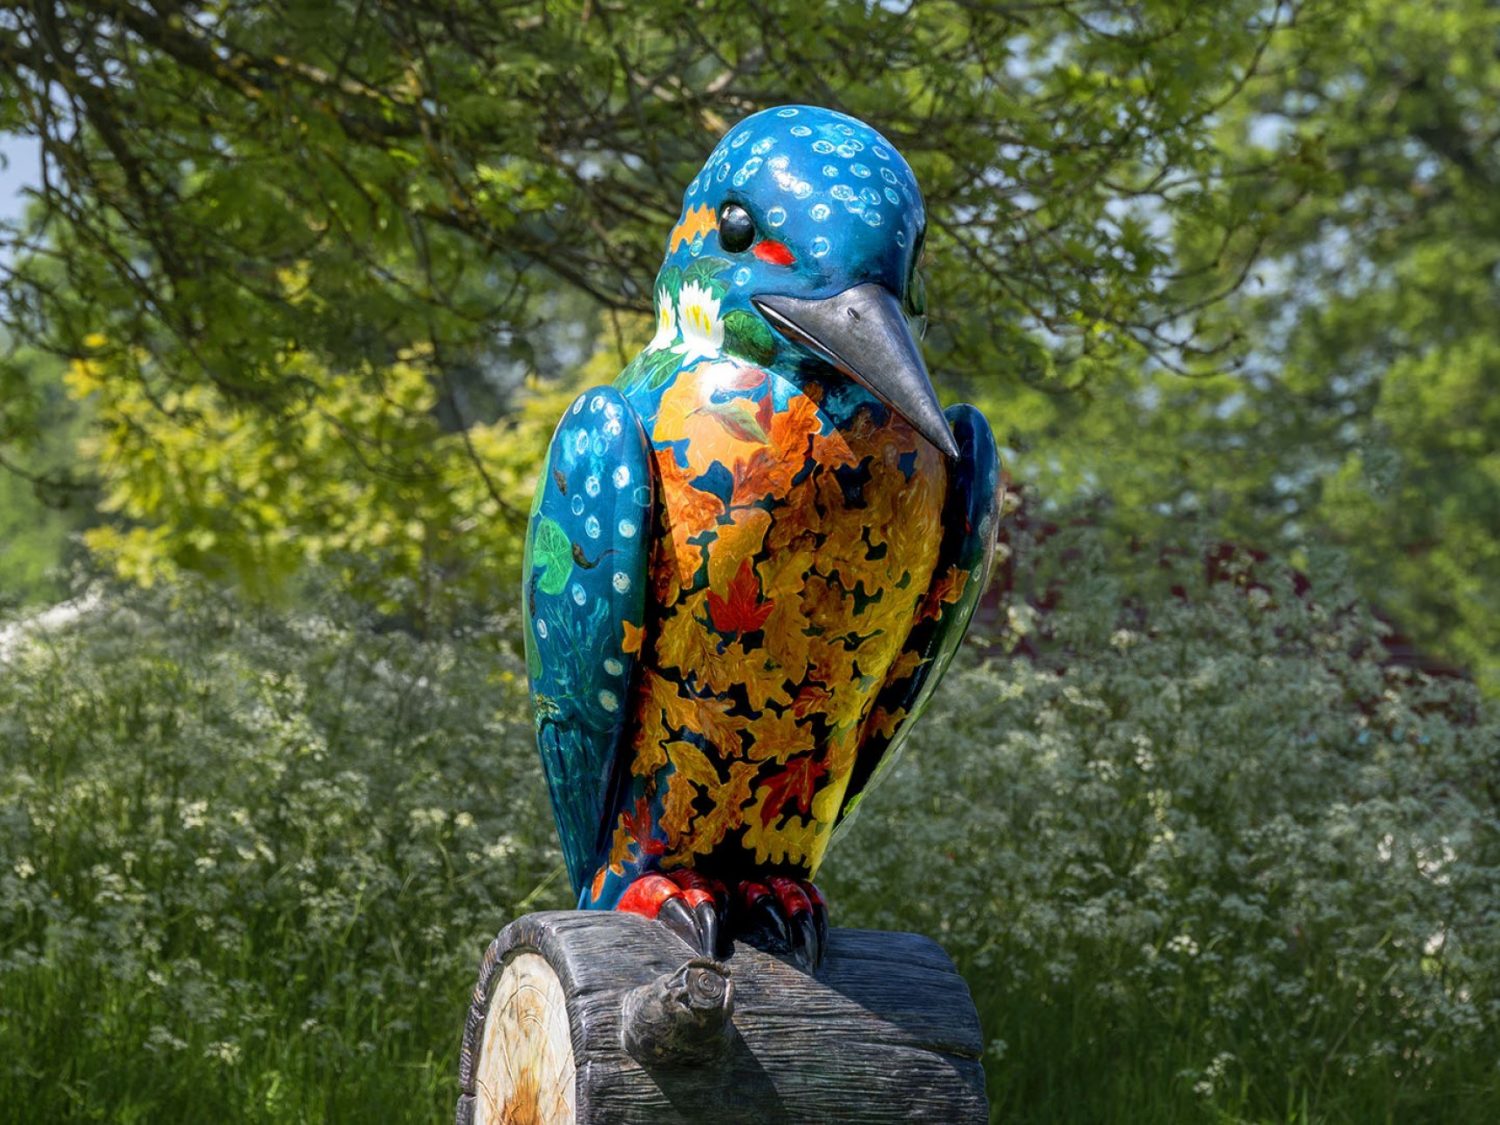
(971, 515)
(585, 576)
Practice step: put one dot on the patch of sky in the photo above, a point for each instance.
(20, 172)
(1269, 130)
(1229, 406)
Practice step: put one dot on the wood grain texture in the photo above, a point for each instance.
(525, 1072)
(885, 1032)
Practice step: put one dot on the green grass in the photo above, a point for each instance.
(247, 870)
(248, 864)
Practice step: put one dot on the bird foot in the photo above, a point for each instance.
(783, 916)
(688, 904)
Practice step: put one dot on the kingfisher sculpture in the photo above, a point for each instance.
(750, 560)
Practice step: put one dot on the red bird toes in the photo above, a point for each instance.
(684, 902)
(787, 916)
(707, 898)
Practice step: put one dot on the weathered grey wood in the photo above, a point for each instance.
(886, 1030)
(681, 1017)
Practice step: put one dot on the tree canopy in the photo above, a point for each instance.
(311, 268)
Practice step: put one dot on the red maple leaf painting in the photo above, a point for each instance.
(797, 781)
(639, 827)
(742, 611)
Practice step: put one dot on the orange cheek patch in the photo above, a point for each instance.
(777, 253)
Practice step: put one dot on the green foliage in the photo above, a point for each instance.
(276, 218)
(42, 505)
(1382, 308)
(311, 282)
(34, 538)
(248, 863)
(1359, 406)
(1228, 260)
(1203, 858)
(360, 467)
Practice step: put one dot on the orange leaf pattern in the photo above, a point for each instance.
(795, 558)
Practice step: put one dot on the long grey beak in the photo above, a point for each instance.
(863, 333)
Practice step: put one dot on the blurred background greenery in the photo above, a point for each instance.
(291, 298)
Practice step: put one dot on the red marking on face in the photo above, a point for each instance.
(777, 253)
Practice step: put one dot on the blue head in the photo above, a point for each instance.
(800, 237)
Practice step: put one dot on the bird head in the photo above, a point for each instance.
(799, 240)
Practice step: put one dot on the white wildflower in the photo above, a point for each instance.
(1184, 944)
(226, 1051)
(194, 814)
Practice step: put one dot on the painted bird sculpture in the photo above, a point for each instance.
(750, 560)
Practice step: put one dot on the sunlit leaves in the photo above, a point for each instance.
(256, 203)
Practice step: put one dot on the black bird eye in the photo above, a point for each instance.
(736, 228)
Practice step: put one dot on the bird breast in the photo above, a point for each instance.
(797, 533)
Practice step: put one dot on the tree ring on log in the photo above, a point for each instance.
(525, 1073)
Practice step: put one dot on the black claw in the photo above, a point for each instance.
(707, 915)
(820, 926)
(674, 913)
(768, 924)
(806, 945)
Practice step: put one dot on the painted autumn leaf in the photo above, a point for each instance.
(689, 513)
(621, 847)
(907, 665)
(780, 737)
(810, 699)
(795, 841)
(633, 634)
(692, 773)
(697, 220)
(832, 451)
(947, 590)
(684, 643)
(639, 825)
(733, 377)
(709, 437)
(883, 723)
(765, 474)
(797, 781)
(632, 838)
(737, 666)
(742, 611)
(702, 715)
(649, 750)
(792, 427)
(694, 782)
(737, 419)
(735, 541)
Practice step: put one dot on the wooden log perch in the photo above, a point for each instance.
(599, 1016)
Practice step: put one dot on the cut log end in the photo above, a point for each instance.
(603, 1016)
(681, 1017)
(526, 1070)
